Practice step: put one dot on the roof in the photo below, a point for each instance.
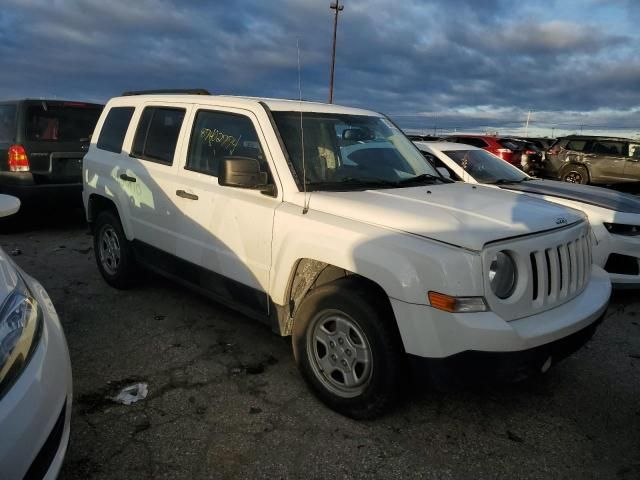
(49, 100)
(274, 104)
(598, 137)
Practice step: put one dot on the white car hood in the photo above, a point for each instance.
(464, 215)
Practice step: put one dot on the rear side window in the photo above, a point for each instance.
(577, 145)
(115, 128)
(7, 123)
(616, 149)
(61, 122)
(217, 135)
(157, 134)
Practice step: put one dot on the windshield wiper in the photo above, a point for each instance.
(422, 178)
(504, 181)
(352, 182)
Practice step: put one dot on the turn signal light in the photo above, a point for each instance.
(451, 304)
(18, 159)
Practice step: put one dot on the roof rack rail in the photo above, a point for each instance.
(184, 91)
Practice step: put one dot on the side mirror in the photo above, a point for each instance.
(444, 172)
(244, 172)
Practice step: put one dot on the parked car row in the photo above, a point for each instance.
(614, 216)
(583, 159)
(370, 257)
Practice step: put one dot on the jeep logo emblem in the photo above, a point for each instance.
(561, 221)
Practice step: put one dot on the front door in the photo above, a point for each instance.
(608, 160)
(225, 231)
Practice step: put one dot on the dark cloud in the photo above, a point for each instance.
(465, 63)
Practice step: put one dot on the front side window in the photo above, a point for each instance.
(61, 122)
(114, 129)
(218, 135)
(157, 134)
(350, 152)
(7, 123)
(485, 167)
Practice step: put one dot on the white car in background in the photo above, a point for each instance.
(35, 374)
(614, 216)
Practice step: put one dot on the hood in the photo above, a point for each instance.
(8, 276)
(460, 214)
(598, 196)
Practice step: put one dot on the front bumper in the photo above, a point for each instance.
(473, 368)
(35, 413)
(430, 333)
(627, 248)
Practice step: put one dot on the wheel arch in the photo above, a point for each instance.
(98, 203)
(308, 274)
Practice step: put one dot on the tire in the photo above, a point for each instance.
(113, 251)
(573, 173)
(341, 327)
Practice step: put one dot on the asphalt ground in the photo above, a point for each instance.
(225, 399)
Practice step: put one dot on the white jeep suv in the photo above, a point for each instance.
(327, 224)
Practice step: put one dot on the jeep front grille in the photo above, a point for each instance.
(560, 271)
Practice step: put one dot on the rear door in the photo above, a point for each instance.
(150, 174)
(56, 136)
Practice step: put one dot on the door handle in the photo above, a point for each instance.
(127, 178)
(183, 194)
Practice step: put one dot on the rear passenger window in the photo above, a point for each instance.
(157, 134)
(114, 129)
(217, 135)
(577, 145)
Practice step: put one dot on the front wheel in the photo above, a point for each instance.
(575, 174)
(348, 350)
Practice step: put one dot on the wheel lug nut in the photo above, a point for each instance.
(348, 352)
(334, 358)
(340, 341)
(332, 345)
(344, 363)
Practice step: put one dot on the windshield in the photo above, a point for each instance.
(485, 167)
(61, 122)
(351, 152)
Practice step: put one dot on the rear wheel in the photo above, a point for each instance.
(575, 174)
(348, 350)
(113, 252)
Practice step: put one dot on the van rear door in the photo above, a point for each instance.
(56, 136)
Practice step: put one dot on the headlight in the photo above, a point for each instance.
(502, 275)
(20, 328)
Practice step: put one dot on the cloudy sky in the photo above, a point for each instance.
(466, 65)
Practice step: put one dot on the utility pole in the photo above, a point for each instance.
(526, 128)
(338, 8)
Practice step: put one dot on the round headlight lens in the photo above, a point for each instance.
(502, 275)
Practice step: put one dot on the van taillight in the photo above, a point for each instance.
(18, 159)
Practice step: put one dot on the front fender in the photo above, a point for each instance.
(405, 266)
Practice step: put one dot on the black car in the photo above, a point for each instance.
(42, 143)
(594, 159)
